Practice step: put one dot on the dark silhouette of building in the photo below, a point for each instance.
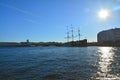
(109, 37)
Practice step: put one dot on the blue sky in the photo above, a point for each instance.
(46, 20)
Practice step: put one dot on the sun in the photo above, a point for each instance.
(103, 13)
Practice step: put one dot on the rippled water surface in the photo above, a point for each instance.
(60, 63)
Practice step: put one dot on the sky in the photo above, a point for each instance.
(47, 20)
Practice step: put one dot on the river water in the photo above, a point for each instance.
(60, 63)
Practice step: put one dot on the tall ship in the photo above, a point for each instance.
(71, 38)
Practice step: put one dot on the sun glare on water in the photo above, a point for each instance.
(103, 13)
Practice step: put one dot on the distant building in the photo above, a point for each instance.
(111, 35)
(27, 40)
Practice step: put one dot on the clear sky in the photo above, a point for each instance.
(46, 20)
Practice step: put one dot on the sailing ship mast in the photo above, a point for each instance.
(68, 34)
(79, 33)
(72, 33)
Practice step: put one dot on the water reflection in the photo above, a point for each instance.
(106, 57)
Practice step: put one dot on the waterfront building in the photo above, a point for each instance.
(110, 36)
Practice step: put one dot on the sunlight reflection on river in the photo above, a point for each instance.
(106, 57)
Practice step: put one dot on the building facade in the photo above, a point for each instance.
(111, 35)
